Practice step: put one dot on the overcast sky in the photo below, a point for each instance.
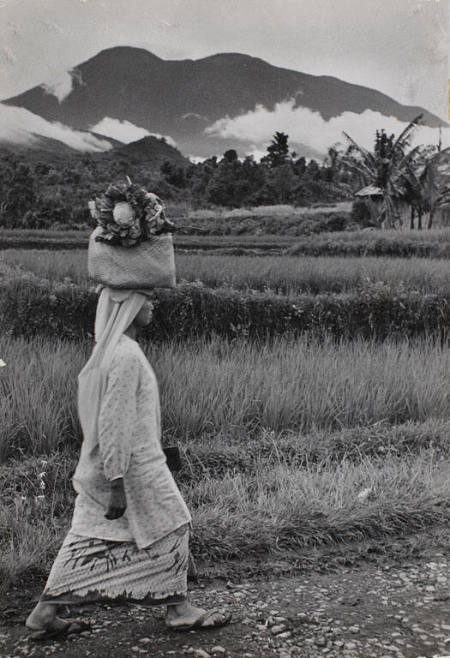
(396, 46)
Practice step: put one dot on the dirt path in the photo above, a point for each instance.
(396, 608)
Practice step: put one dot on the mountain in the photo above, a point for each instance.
(40, 147)
(149, 151)
(181, 99)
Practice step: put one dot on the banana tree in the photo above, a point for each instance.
(416, 172)
(386, 169)
(437, 183)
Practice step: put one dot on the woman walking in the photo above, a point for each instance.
(129, 538)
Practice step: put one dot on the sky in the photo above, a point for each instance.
(396, 46)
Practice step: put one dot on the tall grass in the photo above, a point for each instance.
(276, 508)
(282, 507)
(315, 275)
(38, 402)
(283, 275)
(209, 386)
(212, 387)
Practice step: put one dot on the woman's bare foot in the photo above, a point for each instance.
(44, 616)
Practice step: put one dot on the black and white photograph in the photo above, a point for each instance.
(224, 329)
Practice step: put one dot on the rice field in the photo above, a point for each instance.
(288, 445)
(233, 389)
(287, 275)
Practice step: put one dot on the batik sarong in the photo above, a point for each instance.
(89, 569)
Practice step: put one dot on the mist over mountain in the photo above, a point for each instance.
(209, 105)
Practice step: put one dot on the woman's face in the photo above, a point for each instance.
(145, 315)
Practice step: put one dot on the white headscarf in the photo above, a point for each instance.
(116, 310)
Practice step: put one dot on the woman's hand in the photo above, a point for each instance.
(117, 500)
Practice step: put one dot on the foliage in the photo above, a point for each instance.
(391, 170)
(277, 151)
(30, 306)
(17, 191)
(45, 194)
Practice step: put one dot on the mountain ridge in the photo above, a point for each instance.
(181, 98)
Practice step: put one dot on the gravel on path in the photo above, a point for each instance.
(391, 610)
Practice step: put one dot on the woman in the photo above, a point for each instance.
(129, 537)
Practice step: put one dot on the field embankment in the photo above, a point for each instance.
(421, 244)
(30, 305)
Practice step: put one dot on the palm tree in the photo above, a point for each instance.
(278, 150)
(333, 162)
(386, 170)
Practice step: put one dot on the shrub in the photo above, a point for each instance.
(30, 306)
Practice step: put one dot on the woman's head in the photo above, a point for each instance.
(145, 314)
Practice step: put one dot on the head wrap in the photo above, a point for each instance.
(116, 310)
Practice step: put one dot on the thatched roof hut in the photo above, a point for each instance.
(371, 192)
(372, 197)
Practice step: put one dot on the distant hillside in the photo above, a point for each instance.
(149, 151)
(182, 98)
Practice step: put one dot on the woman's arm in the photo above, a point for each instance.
(116, 422)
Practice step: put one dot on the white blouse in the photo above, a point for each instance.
(129, 446)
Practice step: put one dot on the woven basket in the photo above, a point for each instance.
(151, 264)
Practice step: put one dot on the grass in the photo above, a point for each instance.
(433, 243)
(298, 385)
(238, 389)
(286, 447)
(282, 210)
(286, 275)
(437, 234)
(283, 508)
(57, 240)
(276, 507)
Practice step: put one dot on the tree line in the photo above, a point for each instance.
(46, 193)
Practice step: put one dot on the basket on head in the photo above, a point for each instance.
(150, 264)
(128, 249)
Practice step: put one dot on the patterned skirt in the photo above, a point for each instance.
(88, 569)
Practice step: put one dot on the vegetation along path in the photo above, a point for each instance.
(373, 600)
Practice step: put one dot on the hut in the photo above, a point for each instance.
(373, 199)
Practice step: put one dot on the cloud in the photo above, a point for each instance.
(197, 159)
(19, 126)
(61, 85)
(310, 129)
(126, 132)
